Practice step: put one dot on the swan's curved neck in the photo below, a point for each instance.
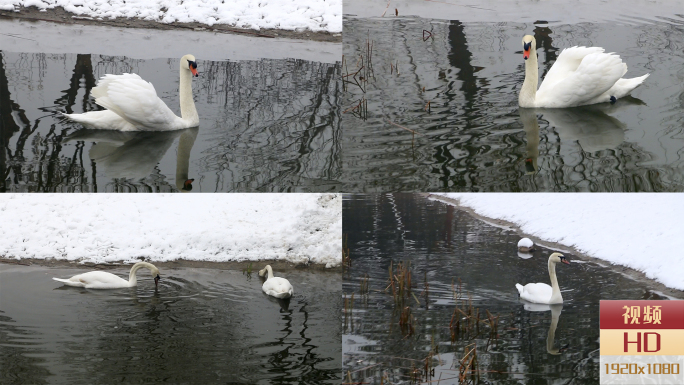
(132, 279)
(556, 296)
(528, 92)
(270, 271)
(187, 104)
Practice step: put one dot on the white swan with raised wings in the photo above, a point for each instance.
(132, 103)
(580, 76)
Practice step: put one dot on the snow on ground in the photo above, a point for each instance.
(641, 231)
(314, 15)
(299, 228)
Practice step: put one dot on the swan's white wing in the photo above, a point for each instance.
(597, 73)
(99, 280)
(278, 287)
(69, 282)
(567, 62)
(106, 119)
(135, 100)
(536, 292)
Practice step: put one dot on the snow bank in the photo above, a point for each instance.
(314, 15)
(641, 231)
(299, 228)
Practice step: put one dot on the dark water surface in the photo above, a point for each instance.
(265, 125)
(473, 136)
(444, 245)
(202, 326)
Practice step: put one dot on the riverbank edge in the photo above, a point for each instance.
(59, 15)
(245, 266)
(624, 270)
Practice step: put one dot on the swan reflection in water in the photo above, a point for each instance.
(284, 303)
(135, 154)
(555, 316)
(590, 126)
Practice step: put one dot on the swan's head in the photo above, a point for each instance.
(529, 44)
(263, 271)
(155, 274)
(558, 258)
(188, 61)
(187, 185)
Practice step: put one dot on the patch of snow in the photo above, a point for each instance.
(313, 15)
(525, 242)
(641, 231)
(105, 228)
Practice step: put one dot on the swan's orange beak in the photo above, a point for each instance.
(565, 261)
(187, 186)
(527, 47)
(156, 280)
(194, 72)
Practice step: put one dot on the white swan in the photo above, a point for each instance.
(275, 286)
(525, 245)
(132, 104)
(541, 292)
(580, 76)
(104, 280)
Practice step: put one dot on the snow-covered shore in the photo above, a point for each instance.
(312, 15)
(105, 228)
(640, 231)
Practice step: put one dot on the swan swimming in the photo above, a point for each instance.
(132, 103)
(275, 286)
(541, 292)
(104, 280)
(580, 76)
(525, 245)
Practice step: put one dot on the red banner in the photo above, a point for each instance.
(635, 314)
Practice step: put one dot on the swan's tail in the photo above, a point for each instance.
(520, 288)
(104, 119)
(624, 87)
(69, 282)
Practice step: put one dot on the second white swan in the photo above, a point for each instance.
(104, 280)
(541, 292)
(580, 76)
(132, 104)
(275, 286)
